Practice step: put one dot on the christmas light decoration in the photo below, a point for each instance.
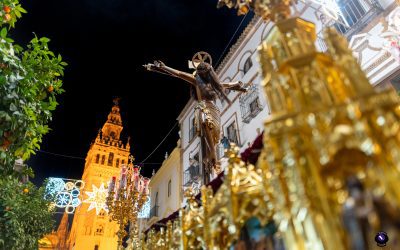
(145, 212)
(97, 198)
(64, 193)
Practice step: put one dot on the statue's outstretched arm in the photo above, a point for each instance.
(237, 86)
(160, 67)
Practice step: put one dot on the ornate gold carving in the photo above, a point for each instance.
(331, 148)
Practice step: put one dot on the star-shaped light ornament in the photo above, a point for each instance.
(97, 198)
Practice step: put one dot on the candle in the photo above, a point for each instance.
(145, 185)
(122, 181)
(111, 187)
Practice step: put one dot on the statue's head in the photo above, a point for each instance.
(203, 68)
(202, 62)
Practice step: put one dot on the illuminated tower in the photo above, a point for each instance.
(91, 227)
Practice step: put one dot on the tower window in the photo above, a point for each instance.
(117, 163)
(103, 159)
(96, 247)
(110, 159)
(99, 230)
(97, 158)
(123, 162)
(169, 188)
(112, 134)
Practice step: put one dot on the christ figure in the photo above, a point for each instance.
(207, 89)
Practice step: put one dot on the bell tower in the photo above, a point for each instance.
(113, 126)
(91, 226)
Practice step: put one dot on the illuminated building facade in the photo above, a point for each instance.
(91, 227)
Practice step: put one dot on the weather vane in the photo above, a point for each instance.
(116, 101)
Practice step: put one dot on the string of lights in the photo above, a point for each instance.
(81, 158)
(230, 41)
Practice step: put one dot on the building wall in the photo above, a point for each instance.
(169, 196)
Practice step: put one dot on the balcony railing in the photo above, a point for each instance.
(321, 43)
(154, 211)
(191, 175)
(250, 104)
(355, 15)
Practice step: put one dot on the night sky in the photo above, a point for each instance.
(105, 42)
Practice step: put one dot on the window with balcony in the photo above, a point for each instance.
(250, 104)
(231, 132)
(192, 173)
(355, 15)
(192, 129)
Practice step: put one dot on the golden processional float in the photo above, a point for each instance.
(329, 173)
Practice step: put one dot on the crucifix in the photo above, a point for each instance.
(207, 89)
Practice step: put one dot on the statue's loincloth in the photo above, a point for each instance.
(208, 114)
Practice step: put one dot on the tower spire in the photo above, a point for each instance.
(113, 126)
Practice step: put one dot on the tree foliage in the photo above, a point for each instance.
(25, 216)
(29, 83)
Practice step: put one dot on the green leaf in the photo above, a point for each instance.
(3, 33)
(20, 9)
(44, 40)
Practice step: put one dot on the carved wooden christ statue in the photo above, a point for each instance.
(207, 89)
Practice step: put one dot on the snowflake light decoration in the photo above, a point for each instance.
(97, 198)
(64, 193)
(145, 212)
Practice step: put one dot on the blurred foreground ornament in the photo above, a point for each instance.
(331, 157)
(126, 201)
(218, 222)
(64, 193)
(240, 198)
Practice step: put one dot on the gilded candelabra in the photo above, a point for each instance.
(126, 200)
